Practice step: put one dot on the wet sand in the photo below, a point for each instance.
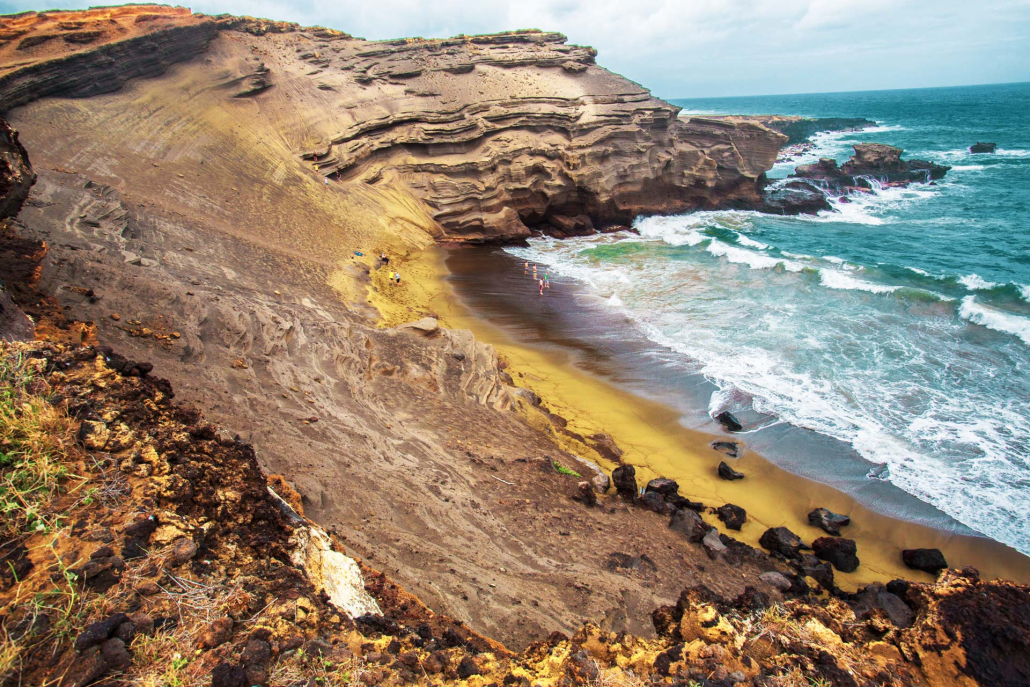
(590, 383)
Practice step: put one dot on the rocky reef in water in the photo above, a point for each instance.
(872, 162)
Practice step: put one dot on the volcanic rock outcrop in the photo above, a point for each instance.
(872, 161)
(16, 175)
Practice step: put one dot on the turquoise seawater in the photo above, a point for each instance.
(898, 324)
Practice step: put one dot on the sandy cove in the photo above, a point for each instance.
(653, 440)
(183, 220)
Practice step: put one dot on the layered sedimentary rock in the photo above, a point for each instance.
(506, 133)
(497, 135)
(79, 54)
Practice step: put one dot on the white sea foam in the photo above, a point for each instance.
(995, 319)
(756, 261)
(1024, 291)
(677, 230)
(898, 394)
(975, 282)
(750, 243)
(833, 279)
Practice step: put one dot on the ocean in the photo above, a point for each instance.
(885, 342)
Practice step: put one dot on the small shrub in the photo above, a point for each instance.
(564, 470)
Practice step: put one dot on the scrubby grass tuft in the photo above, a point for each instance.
(33, 455)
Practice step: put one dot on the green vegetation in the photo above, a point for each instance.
(33, 455)
(564, 470)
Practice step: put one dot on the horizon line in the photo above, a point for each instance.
(865, 90)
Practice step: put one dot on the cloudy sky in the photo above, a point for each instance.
(698, 48)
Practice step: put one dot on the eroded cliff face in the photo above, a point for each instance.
(16, 175)
(507, 133)
(496, 135)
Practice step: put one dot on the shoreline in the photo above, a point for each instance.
(655, 441)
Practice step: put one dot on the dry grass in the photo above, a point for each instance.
(166, 659)
(298, 669)
(615, 677)
(46, 607)
(34, 438)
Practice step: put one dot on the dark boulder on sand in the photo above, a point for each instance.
(690, 525)
(927, 560)
(983, 147)
(782, 541)
(729, 423)
(728, 473)
(820, 571)
(663, 486)
(683, 502)
(828, 521)
(733, 516)
(730, 448)
(653, 501)
(838, 551)
(624, 478)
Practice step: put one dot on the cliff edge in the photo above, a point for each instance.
(496, 135)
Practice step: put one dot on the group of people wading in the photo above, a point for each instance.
(543, 282)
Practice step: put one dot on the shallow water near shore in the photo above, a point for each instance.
(593, 368)
(895, 330)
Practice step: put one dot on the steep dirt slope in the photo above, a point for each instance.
(149, 550)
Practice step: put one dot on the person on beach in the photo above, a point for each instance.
(541, 287)
(398, 278)
(547, 281)
(525, 268)
(327, 182)
(382, 257)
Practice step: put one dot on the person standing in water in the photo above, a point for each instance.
(525, 268)
(547, 281)
(541, 287)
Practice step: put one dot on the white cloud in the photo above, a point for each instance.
(714, 47)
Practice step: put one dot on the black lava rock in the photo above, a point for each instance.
(828, 521)
(927, 560)
(728, 473)
(729, 423)
(838, 551)
(733, 516)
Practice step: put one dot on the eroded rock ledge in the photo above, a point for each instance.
(499, 135)
(515, 132)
